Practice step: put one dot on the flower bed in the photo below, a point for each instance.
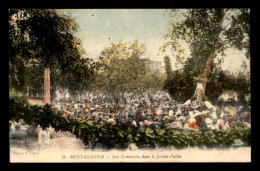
(120, 135)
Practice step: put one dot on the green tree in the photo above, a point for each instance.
(47, 37)
(66, 82)
(122, 68)
(207, 32)
(153, 80)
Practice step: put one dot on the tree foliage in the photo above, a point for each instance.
(45, 37)
(124, 68)
(238, 32)
(206, 32)
(181, 85)
(153, 80)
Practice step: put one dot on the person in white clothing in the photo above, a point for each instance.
(44, 138)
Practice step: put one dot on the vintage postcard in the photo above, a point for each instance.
(129, 85)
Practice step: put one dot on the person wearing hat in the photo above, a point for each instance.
(44, 138)
(209, 123)
(18, 136)
(178, 112)
(199, 90)
(140, 116)
(149, 110)
(193, 103)
(11, 126)
(132, 112)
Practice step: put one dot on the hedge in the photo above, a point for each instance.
(120, 135)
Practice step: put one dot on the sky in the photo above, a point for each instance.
(98, 28)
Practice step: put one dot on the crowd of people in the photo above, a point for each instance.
(21, 134)
(155, 109)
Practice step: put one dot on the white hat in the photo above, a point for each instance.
(201, 113)
(188, 102)
(194, 106)
(208, 121)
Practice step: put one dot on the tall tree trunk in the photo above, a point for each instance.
(203, 78)
(47, 93)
